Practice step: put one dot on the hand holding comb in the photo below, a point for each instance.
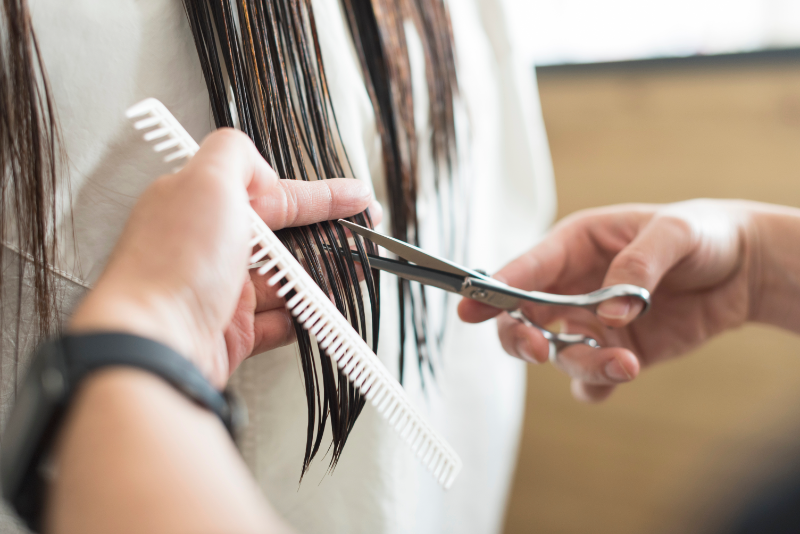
(317, 314)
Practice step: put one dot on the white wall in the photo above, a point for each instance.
(567, 31)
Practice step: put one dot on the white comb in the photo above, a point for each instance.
(315, 311)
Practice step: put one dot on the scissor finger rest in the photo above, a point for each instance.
(556, 340)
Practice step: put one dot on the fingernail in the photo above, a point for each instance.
(524, 351)
(615, 308)
(559, 326)
(617, 372)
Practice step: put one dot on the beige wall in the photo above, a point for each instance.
(678, 450)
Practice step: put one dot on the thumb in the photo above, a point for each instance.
(661, 245)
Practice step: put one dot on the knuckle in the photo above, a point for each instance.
(580, 216)
(292, 205)
(635, 264)
(280, 333)
(675, 224)
(288, 329)
(272, 331)
(329, 199)
(212, 184)
(507, 334)
(286, 204)
(235, 145)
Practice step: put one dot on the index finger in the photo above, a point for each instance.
(298, 203)
(280, 203)
(571, 258)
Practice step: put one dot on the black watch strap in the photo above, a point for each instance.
(88, 353)
(56, 371)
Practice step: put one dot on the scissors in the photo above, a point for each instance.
(431, 270)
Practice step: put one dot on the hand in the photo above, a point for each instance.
(179, 271)
(699, 259)
(261, 321)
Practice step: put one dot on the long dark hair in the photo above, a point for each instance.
(28, 168)
(264, 57)
(266, 53)
(378, 30)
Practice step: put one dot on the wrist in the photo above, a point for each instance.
(107, 455)
(125, 393)
(57, 374)
(775, 265)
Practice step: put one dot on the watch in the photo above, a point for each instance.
(56, 371)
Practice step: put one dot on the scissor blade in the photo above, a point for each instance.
(428, 277)
(410, 252)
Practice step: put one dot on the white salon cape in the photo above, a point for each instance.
(102, 56)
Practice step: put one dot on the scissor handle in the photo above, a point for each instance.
(506, 297)
(556, 340)
(593, 299)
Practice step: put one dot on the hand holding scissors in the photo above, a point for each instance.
(702, 261)
(707, 264)
(431, 270)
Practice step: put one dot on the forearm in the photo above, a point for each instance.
(134, 455)
(775, 275)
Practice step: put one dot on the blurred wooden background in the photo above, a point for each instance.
(682, 448)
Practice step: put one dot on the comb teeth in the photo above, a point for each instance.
(315, 311)
(161, 126)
